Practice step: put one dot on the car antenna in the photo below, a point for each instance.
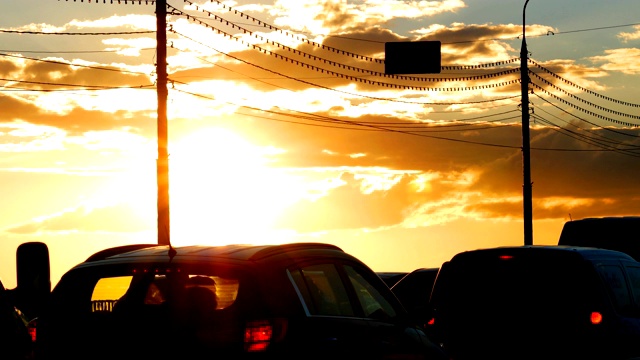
(172, 251)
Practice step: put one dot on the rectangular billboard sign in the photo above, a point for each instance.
(412, 57)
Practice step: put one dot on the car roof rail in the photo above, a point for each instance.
(103, 254)
(280, 249)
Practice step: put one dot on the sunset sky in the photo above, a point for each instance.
(284, 127)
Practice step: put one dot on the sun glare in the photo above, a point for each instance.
(223, 191)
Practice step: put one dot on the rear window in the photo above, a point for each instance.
(150, 309)
(614, 278)
(104, 294)
(159, 289)
(512, 284)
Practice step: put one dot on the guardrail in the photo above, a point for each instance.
(102, 305)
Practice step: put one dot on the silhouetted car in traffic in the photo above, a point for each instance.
(619, 233)
(538, 302)
(414, 289)
(296, 301)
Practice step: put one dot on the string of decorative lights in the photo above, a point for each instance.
(599, 116)
(309, 42)
(367, 81)
(581, 88)
(334, 63)
(360, 95)
(593, 129)
(285, 32)
(601, 108)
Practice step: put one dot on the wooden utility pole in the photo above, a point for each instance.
(163, 153)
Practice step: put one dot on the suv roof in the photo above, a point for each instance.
(616, 233)
(237, 251)
(561, 250)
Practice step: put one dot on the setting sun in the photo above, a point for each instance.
(222, 189)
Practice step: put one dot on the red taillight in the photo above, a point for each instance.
(257, 336)
(505, 257)
(596, 317)
(31, 326)
(431, 321)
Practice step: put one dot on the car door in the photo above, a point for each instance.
(331, 326)
(631, 322)
(391, 335)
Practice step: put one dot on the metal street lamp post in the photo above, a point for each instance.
(526, 151)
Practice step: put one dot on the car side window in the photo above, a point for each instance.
(322, 290)
(613, 276)
(373, 303)
(634, 280)
(107, 291)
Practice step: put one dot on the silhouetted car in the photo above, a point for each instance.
(538, 302)
(614, 232)
(414, 289)
(297, 301)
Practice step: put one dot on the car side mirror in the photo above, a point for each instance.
(33, 278)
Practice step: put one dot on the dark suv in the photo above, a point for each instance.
(538, 302)
(615, 233)
(301, 301)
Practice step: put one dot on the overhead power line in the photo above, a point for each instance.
(124, 2)
(367, 81)
(313, 57)
(85, 86)
(602, 108)
(352, 78)
(327, 61)
(589, 140)
(64, 51)
(77, 33)
(76, 65)
(584, 120)
(590, 130)
(594, 114)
